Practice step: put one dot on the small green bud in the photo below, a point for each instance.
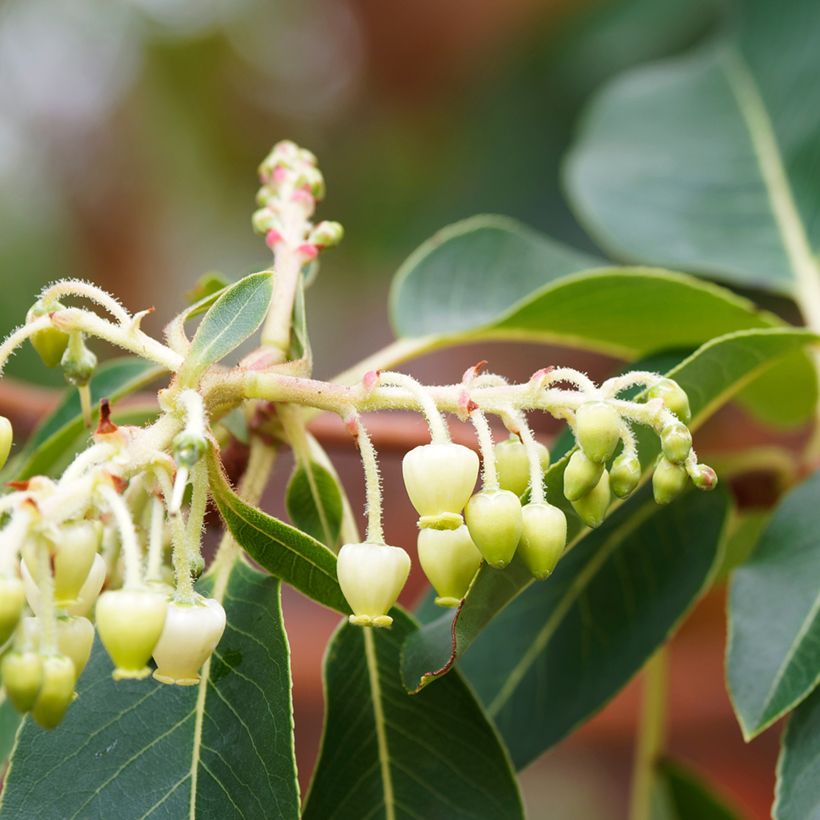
(580, 475)
(673, 396)
(264, 220)
(49, 343)
(676, 441)
(56, 692)
(624, 475)
(74, 555)
(86, 597)
(704, 477)
(668, 480)
(450, 560)
(371, 577)
(75, 638)
(440, 477)
(197, 566)
(592, 507)
(188, 639)
(130, 622)
(326, 234)
(597, 426)
(78, 362)
(12, 599)
(22, 678)
(543, 537)
(6, 440)
(494, 520)
(513, 464)
(189, 448)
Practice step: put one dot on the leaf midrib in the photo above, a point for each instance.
(782, 202)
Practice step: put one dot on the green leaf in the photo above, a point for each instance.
(773, 654)
(284, 551)
(63, 433)
(704, 162)
(679, 794)
(314, 503)
(208, 285)
(388, 755)
(710, 376)
(492, 278)
(797, 796)
(135, 749)
(562, 649)
(232, 319)
(9, 723)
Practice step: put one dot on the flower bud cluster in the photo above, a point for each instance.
(459, 528)
(107, 522)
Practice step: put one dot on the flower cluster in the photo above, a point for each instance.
(460, 529)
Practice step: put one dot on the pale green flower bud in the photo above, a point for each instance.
(450, 561)
(704, 477)
(56, 692)
(75, 638)
(12, 599)
(673, 397)
(624, 475)
(22, 678)
(597, 427)
(513, 464)
(130, 622)
(494, 520)
(326, 234)
(543, 537)
(188, 639)
(49, 343)
(440, 477)
(592, 507)
(86, 597)
(668, 480)
(581, 475)
(371, 577)
(676, 441)
(6, 440)
(78, 362)
(189, 448)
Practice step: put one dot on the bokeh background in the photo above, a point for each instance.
(130, 131)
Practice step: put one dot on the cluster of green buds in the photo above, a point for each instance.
(113, 521)
(461, 528)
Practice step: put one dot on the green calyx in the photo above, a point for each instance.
(49, 343)
(624, 475)
(513, 464)
(494, 520)
(673, 396)
(597, 428)
(592, 507)
(581, 475)
(543, 538)
(668, 480)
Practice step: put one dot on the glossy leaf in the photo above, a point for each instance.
(136, 749)
(773, 654)
(710, 376)
(574, 641)
(63, 433)
(233, 318)
(704, 162)
(797, 796)
(9, 723)
(492, 278)
(284, 551)
(388, 755)
(679, 794)
(314, 503)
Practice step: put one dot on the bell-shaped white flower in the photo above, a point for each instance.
(130, 622)
(86, 598)
(371, 577)
(450, 560)
(440, 477)
(188, 639)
